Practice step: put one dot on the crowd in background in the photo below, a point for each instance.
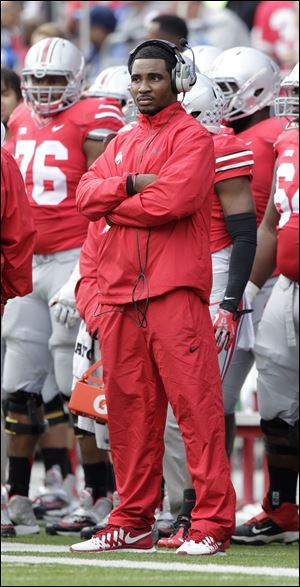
(106, 31)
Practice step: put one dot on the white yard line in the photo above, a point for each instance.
(143, 565)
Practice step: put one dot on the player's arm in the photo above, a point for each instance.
(265, 258)
(239, 215)
(93, 149)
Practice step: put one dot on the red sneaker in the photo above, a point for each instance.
(280, 525)
(114, 538)
(177, 537)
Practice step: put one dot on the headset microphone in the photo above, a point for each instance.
(184, 43)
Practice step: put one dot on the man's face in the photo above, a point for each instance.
(49, 81)
(151, 86)
(9, 102)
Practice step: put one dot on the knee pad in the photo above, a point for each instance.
(22, 402)
(56, 411)
(277, 428)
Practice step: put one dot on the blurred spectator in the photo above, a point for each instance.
(47, 29)
(169, 27)
(276, 30)
(133, 15)
(222, 28)
(245, 10)
(12, 50)
(102, 23)
(34, 13)
(72, 15)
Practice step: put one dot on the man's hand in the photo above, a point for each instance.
(225, 325)
(142, 180)
(65, 311)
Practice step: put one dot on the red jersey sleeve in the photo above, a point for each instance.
(233, 157)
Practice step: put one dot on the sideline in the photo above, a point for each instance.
(142, 565)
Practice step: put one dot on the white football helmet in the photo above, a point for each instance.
(52, 57)
(206, 103)
(248, 78)
(287, 105)
(112, 82)
(205, 55)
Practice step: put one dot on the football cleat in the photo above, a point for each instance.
(21, 514)
(7, 527)
(179, 534)
(279, 525)
(56, 498)
(85, 516)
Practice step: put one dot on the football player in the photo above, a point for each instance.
(277, 343)
(57, 136)
(250, 82)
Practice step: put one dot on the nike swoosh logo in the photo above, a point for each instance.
(261, 530)
(228, 298)
(194, 348)
(55, 128)
(131, 540)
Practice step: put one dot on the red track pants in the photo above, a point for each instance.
(174, 360)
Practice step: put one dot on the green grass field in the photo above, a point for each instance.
(28, 564)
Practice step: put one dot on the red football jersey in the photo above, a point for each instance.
(275, 30)
(52, 160)
(286, 200)
(260, 138)
(233, 159)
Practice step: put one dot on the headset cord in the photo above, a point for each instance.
(141, 281)
(141, 321)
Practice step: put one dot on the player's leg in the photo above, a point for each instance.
(277, 352)
(26, 328)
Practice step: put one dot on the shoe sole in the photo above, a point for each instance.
(283, 537)
(136, 550)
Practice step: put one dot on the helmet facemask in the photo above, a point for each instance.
(46, 100)
(287, 105)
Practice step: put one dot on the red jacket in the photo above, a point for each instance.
(163, 230)
(17, 231)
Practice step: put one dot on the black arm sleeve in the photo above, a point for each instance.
(242, 229)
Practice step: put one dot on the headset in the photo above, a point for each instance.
(183, 75)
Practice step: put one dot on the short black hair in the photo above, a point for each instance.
(172, 25)
(11, 81)
(155, 52)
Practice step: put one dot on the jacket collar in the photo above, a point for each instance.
(160, 118)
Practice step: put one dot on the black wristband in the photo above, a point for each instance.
(129, 184)
(242, 229)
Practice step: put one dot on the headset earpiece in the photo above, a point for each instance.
(183, 76)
